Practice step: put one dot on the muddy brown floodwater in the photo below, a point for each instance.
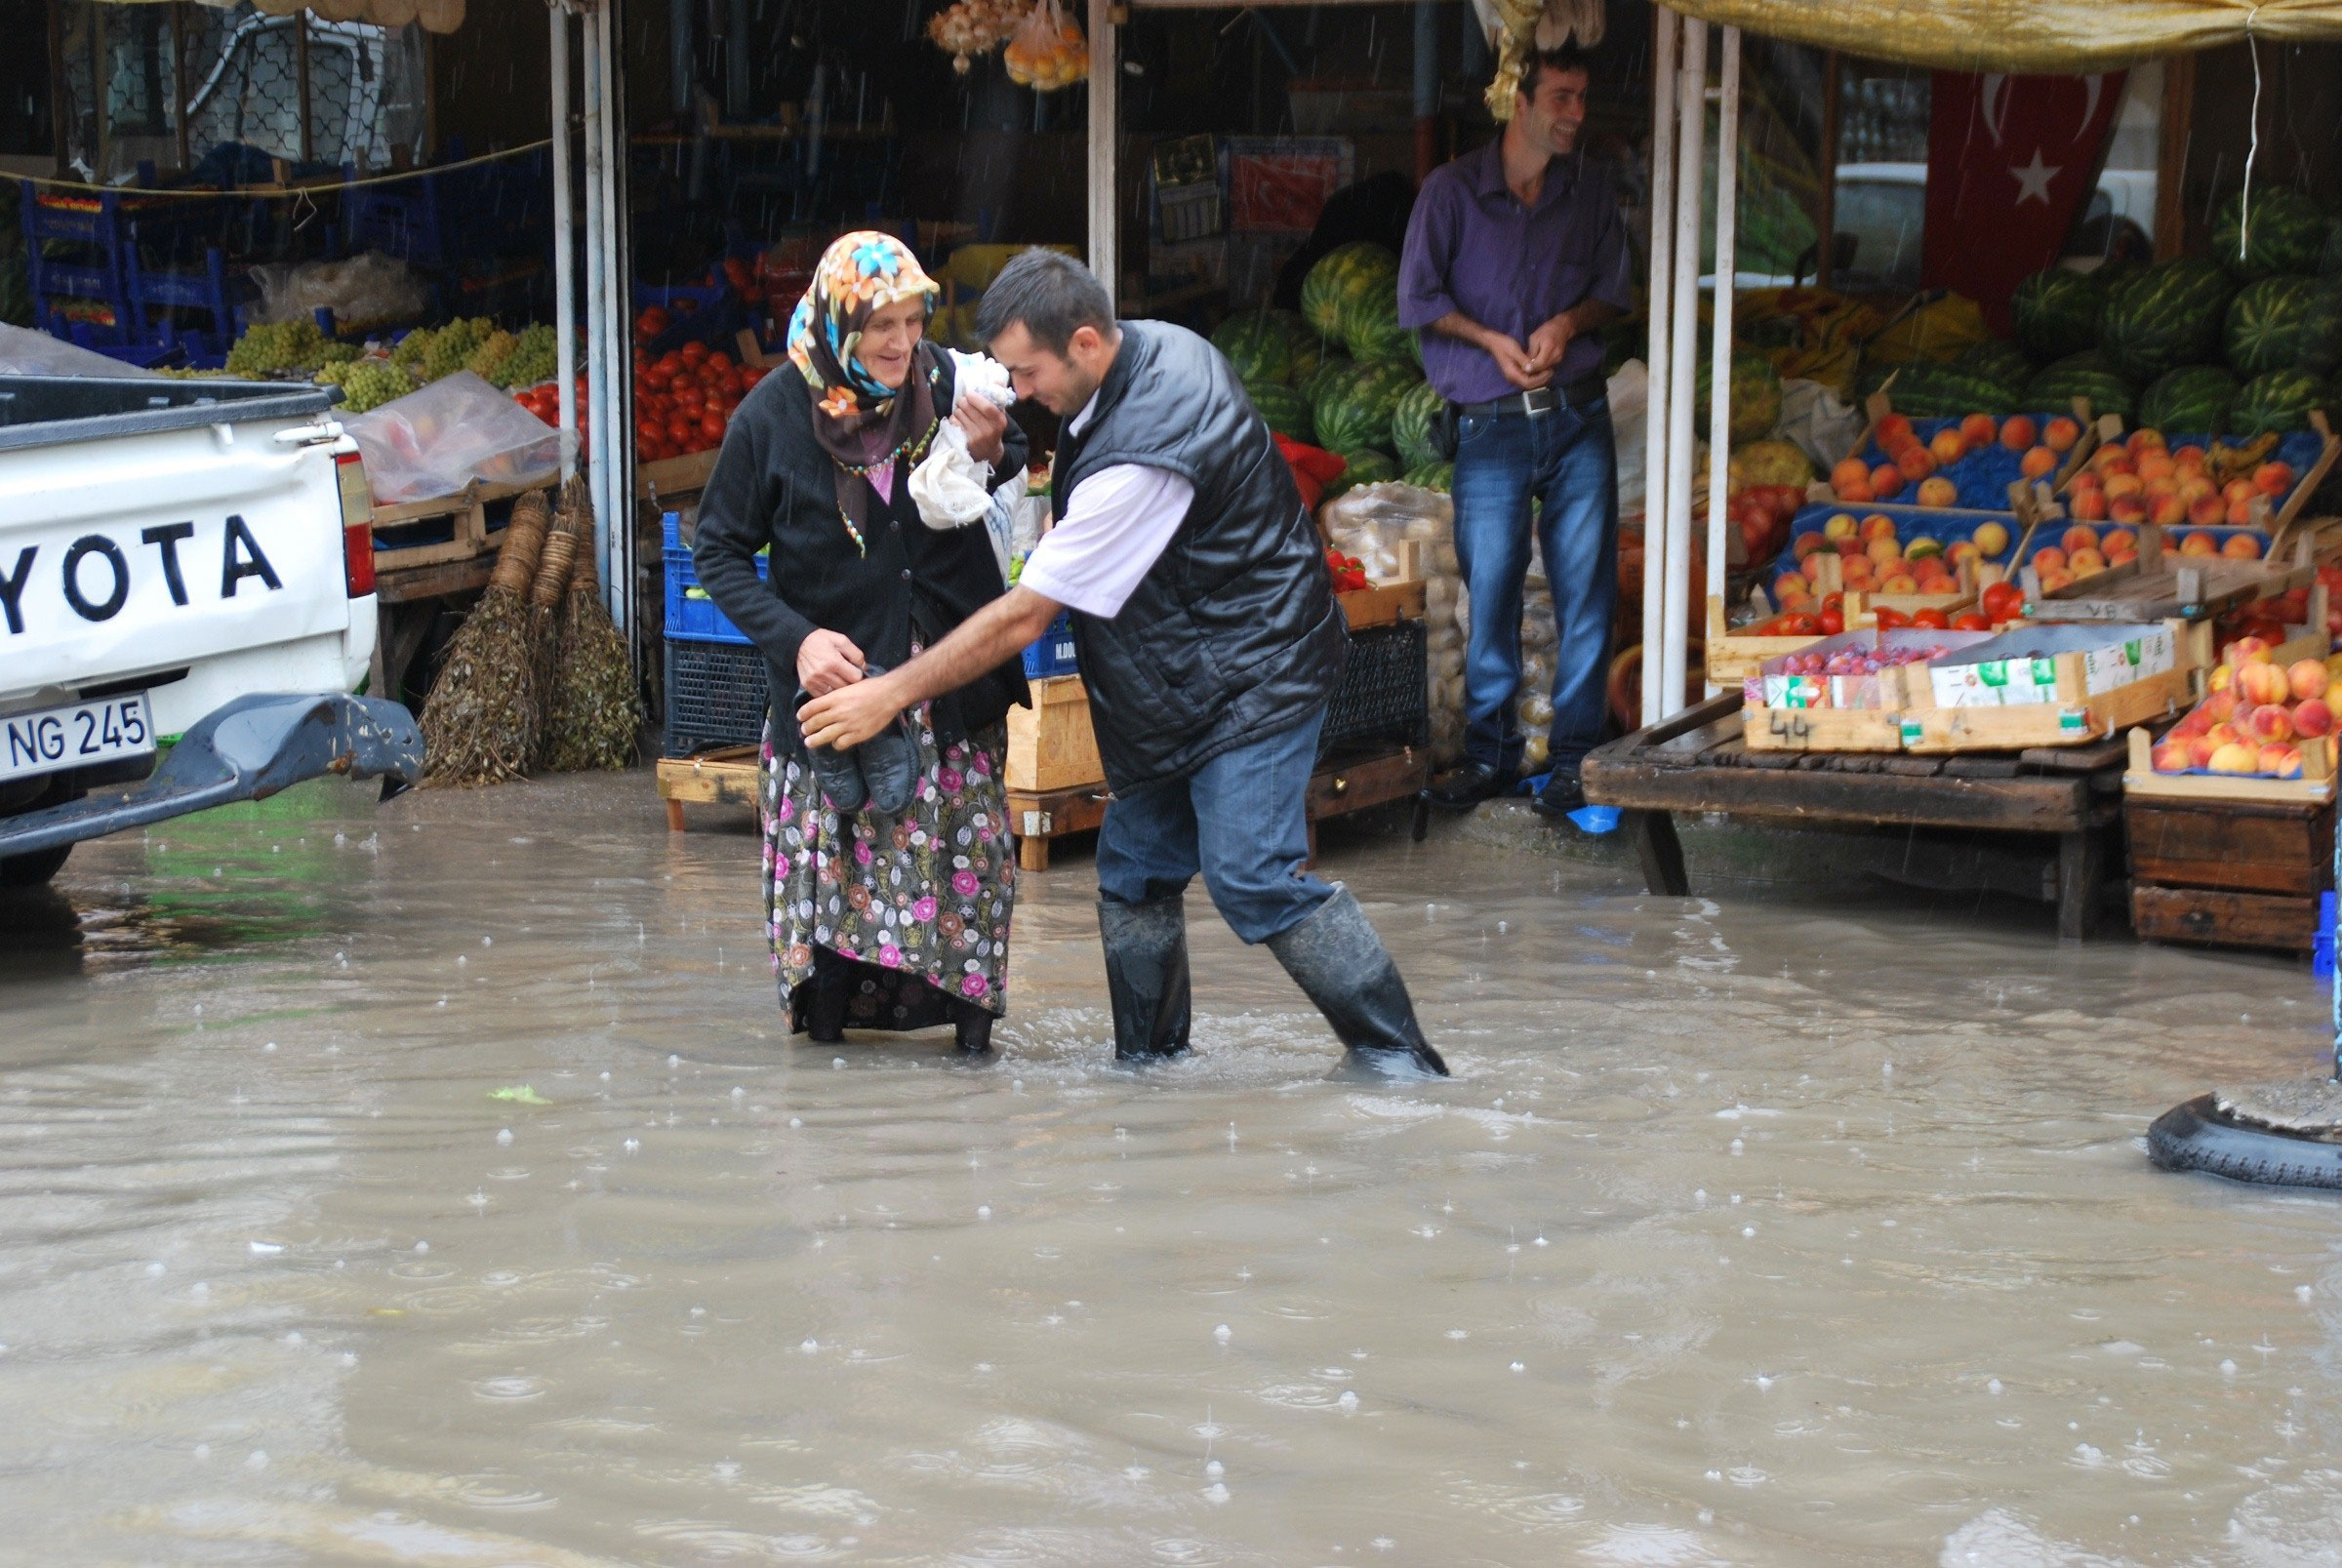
(1770, 1231)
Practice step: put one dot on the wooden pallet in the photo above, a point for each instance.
(466, 512)
(725, 778)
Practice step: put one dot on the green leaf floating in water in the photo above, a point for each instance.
(520, 1094)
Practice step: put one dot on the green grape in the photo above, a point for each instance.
(366, 384)
(489, 358)
(413, 347)
(533, 358)
(337, 353)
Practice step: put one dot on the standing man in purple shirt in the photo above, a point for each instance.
(1514, 255)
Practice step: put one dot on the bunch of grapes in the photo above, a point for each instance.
(412, 347)
(338, 352)
(276, 346)
(453, 345)
(533, 358)
(366, 384)
(489, 358)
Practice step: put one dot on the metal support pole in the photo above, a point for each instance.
(565, 249)
(598, 293)
(1691, 110)
(300, 69)
(1666, 27)
(1105, 177)
(179, 79)
(610, 412)
(1720, 372)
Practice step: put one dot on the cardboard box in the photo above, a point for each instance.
(2018, 669)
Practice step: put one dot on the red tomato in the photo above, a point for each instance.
(1834, 601)
(651, 322)
(1804, 626)
(711, 427)
(1933, 619)
(752, 374)
(649, 430)
(1971, 621)
(671, 361)
(659, 375)
(692, 353)
(1889, 619)
(2002, 601)
(680, 431)
(736, 271)
(719, 359)
(1833, 622)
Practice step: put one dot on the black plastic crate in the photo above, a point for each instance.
(1384, 693)
(716, 695)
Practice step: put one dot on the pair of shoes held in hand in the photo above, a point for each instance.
(881, 773)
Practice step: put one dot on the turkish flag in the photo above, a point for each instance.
(2011, 162)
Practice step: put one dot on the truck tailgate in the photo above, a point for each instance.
(152, 551)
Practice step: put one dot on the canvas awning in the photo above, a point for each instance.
(2060, 36)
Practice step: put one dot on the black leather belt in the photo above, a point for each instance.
(1576, 394)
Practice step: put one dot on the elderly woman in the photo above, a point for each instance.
(877, 920)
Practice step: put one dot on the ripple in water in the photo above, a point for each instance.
(717, 1543)
(516, 1387)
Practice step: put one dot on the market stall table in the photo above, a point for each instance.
(1698, 761)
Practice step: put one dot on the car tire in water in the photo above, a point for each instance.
(2197, 1136)
(31, 870)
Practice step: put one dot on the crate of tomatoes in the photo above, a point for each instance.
(683, 399)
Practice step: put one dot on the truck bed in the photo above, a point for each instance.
(50, 410)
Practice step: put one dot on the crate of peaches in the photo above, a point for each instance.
(1943, 464)
(2187, 481)
(2260, 723)
(1899, 560)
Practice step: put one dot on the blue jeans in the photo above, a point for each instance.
(1242, 820)
(1565, 460)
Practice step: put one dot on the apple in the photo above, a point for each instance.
(2306, 678)
(2235, 757)
(1938, 491)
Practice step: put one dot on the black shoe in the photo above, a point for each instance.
(1468, 785)
(1562, 794)
(889, 762)
(1340, 964)
(837, 772)
(1146, 975)
(971, 1028)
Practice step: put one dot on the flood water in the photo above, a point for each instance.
(438, 1186)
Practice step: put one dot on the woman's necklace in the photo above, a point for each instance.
(914, 449)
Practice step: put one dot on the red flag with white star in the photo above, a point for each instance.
(2011, 162)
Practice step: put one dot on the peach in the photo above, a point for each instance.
(2268, 724)
(2306, 678)
(2239, 515)
(1900, 583)
(1849, 546)
(2017, 432)
(2241, 547)
(2051, 582)
(2060, 434)
(2201, 748)
(2170, 757)
(1887, 481)
(1790, 590)
(2113, 459)
(2115, 539)
(1877, 526)
(2084, 561)
(2236, 489)
(2199, 543)
(2131, 509)
(1979, 430)
(2248, 651)
(1852, 471)
(1885, 551)
(2038, 462)
(2235, 757)
(1840, 525)
(2206, 510)
(1813, 566)
(1938, 491)
(2078, 538)
(1991, 537)
(2153, 465)
(1807, 543)
(2190, 459)
(2219, 708)
(2196, 723)
(2048, 558)
(1948, 447)
(2147, 438)
(1892, 428)
(2119, 485)
(1966, 549)
(2280, 761)
(2312, 718)
(2166, 512)
(1916, 463)
(2272, 479)
(2088, 503)
(2261, 685)
(1857, 495)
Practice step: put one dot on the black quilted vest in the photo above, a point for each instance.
(1233, 635)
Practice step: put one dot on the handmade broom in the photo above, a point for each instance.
(593, 719)
(480, 720)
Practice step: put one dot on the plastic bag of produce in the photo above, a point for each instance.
(435, 441)
(1373, 521)
(1818, 424)
(361, 291)
(1047, 51)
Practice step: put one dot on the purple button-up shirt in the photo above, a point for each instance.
(1473, 247)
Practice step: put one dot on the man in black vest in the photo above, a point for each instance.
(1210, 641)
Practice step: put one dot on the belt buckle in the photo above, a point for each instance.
(1538, 403)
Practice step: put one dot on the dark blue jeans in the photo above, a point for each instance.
(1242, 820)
(1565, 460)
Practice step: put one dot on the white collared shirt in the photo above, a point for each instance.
(1116, 526)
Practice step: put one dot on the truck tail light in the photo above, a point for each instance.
(357, 524)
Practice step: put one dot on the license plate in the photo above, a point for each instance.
(75, 737)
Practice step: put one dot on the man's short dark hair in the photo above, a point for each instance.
(1052, 294)
(1569, 57)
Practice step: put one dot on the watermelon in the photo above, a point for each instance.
(2192, 399)
(1999, 361)
(1440, 476)
(2265, 321)
(1306, 351)
(1258, 345)
(1370, 326)
(2283, 231)
(1354, 412)
(2278, 400)
(1411, 425)
(2318, 350)
(1330, 368)
(2083, 374)
(2169, 315)
(1755, 395)
(2056, 311)
(1925, 389)
(1286, 411)
(1364, 467)
(1344, 273)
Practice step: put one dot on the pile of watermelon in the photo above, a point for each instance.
(2245, 342)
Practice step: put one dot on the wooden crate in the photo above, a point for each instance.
(2232, 846)
(1384, 605)
(673, 477)
(1051, 745)
(1731, 657)
(2223, 919)
(1822, 729)
(2315, 786)
(2074, 720)
(466, 512)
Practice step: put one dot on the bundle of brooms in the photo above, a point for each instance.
(591, 717)
(480, 722)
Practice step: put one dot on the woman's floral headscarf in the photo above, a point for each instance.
(862, 424)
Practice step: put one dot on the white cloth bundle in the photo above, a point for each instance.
(951, 488)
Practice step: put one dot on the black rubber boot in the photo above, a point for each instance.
(1339, 962)
(1146, 975)
(837, 773)
(972, 1028)
(826, 1011)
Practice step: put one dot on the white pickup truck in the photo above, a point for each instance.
(183, 565)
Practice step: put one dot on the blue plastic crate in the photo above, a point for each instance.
(1053, 653)
(692, 616)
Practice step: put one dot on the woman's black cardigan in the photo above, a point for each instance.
(773, 485)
